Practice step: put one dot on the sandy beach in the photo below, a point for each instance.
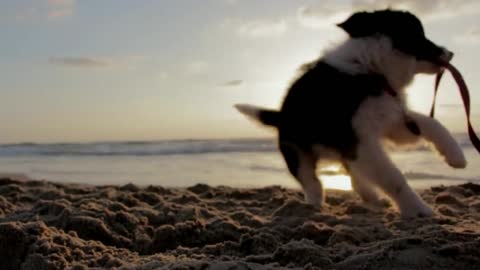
(46, 225)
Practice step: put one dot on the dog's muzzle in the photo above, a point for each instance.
(446, 55)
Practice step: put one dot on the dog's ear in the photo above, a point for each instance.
(360, 24)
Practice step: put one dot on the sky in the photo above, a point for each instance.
(114, 70)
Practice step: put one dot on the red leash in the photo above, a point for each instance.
(462, 86)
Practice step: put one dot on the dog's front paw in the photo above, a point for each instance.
(455, 157)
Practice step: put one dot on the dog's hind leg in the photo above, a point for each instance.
(373, 163)
(302, 165)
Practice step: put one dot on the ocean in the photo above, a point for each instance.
(180, 163)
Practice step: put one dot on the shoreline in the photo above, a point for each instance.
(46, 225)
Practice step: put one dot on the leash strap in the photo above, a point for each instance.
(462, 86)
(437, 84)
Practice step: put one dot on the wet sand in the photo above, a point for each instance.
(45, 225)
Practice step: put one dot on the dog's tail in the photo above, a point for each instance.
(264, 116)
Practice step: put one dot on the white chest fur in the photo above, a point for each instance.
(376, 115)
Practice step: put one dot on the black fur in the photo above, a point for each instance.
(404, 28)
(291, 156)
(319, 107)
(269, 118)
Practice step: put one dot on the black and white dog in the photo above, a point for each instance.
(346, 104)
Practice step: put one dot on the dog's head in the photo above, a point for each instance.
(405, 32)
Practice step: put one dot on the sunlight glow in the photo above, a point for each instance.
(340, 181)
(333, 177)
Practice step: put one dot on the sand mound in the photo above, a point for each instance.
(45, 225)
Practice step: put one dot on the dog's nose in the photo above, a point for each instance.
(447, 55)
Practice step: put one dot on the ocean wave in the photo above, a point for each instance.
(140, 148)
(432, 176)
(156, 148)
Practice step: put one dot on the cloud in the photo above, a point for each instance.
(60, 8)
(232, 83)
(469, 37)
(323, 16)
(430, 9)
(85, 62)
(44, 9)
(328, 12)
(263, 28)
(128, 62)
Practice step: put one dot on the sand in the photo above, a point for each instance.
(45, 225)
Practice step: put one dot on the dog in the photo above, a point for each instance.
(344, 107)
